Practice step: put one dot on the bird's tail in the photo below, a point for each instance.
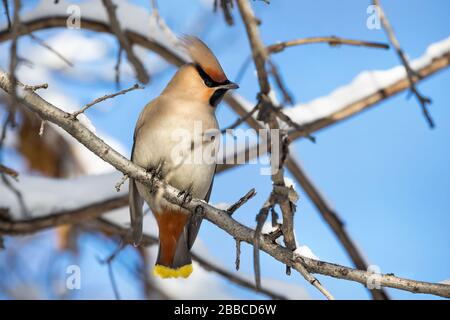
(174, 257)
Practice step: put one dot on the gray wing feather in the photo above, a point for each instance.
(136, 215)
(195, 220)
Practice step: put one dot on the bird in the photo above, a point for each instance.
(189, 101)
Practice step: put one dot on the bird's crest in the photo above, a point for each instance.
(203, 56)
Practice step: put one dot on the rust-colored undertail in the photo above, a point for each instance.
(174, 257)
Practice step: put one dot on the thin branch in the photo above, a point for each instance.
(299, 128)
(243, 69)
(226, 6)
(105, 97)
(17, 193)
(261, 218)
(332, 41)
(241, 120)
(108, 261)
(423, 101)
(238, 254)
(36, 87)
(112, 279)
(141, 73)
(8, 17)
(10, 172)
(117, 67)
(13, 62)
(287, 96)
(241, 201)
(49, 48)
(121, 182)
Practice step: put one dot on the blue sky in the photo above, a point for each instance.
(385, 172)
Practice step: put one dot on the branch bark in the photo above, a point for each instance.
(423, 101)
(332, 41)
(141, 73)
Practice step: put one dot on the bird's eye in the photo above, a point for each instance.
(208, 82)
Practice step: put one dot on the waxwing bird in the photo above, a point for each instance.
(187, 103)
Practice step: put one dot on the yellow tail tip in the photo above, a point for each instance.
(167, 272)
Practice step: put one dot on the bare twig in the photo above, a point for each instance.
(332, 41)
(423, 101)
(261, 218)
(105, 97)
(299, 128)
(243, 69)
(36, 87)
(226, 6)
(112, 279)
(287, 96)
(10, 172)
(8, 17)
(241, 201)
(121, 182)
(238, 254)
(108, 261)
(141, 73)
(49, 48)
(117, 67)
(241, 120)
(17, 193)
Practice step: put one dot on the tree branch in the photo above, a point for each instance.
(423, 101)
(141, 73)
(332, 41)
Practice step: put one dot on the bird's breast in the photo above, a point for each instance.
(184, 140)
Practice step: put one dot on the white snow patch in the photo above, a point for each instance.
(131, 17)
(305, 251)
(290, 183)
(222, 205)
(362, 86)
(267, 228)
(44, 196)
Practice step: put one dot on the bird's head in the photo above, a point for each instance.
(202, 80)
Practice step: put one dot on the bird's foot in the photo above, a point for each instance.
(186, 196)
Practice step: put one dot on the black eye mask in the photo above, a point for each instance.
(219, 93)
(207, 79)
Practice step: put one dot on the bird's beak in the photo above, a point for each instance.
(228, 86)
